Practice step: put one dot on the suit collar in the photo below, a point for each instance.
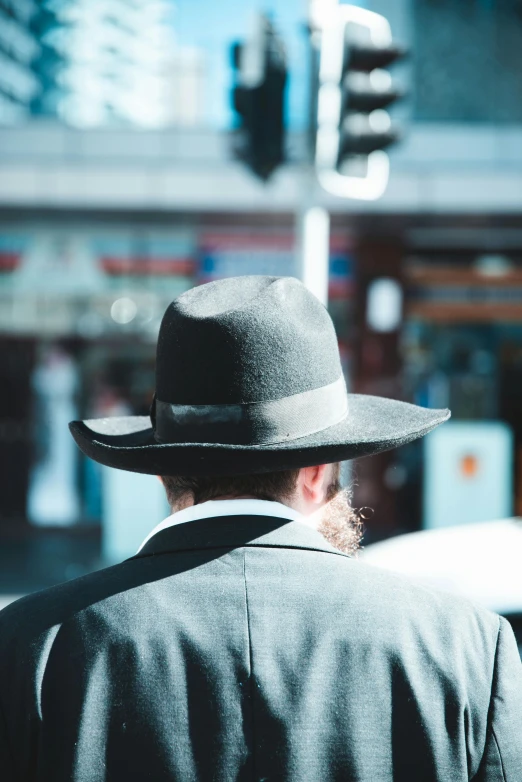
(233, 532)
(235, 507)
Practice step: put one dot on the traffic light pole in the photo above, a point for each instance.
(312, 221)
(313, 243)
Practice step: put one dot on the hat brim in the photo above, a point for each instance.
(373, 424)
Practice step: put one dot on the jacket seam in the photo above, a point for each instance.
(499, 754)
(251, 666)
(489, 720)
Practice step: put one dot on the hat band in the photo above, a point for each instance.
(252, 423)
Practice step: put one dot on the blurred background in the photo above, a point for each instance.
(124, 181)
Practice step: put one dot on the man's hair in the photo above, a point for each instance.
(265, 486)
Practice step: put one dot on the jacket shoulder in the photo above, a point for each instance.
(30, 616)
(396, 595)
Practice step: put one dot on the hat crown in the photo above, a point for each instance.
(243, 340)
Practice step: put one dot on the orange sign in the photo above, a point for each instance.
(469, 465)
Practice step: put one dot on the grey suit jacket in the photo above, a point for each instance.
(247, 648)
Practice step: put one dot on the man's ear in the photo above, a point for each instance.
(314, 483)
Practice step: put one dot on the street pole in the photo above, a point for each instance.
(312, 220)
(314, 230)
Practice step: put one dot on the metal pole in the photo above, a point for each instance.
(315, 227)
(312, 220)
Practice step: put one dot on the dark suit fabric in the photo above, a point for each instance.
(246, 648)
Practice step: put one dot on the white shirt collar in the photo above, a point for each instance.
(215, 508)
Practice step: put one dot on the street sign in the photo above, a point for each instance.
(468, 473)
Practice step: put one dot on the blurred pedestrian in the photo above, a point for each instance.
(244, 641)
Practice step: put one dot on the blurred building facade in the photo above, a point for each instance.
(20, 49)
(101, 228)
(116, 57)
(92, 63)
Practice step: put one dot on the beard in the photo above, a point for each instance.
(341, 525)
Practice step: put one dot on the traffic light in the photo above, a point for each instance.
(355, 91)
(258, 97)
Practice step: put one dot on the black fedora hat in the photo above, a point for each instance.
(248, 380)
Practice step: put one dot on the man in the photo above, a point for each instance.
(239, 643)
